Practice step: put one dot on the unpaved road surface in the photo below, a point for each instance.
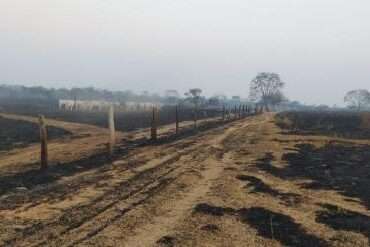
(245, 183)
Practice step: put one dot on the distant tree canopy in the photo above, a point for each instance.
(214, 101)
(235, 98)
(171, 96)
(217, 100)
(266, 88)
(357, 99)
(194, 96)
(48, 97)
(89, 93)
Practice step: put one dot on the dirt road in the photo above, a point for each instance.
(231, 185)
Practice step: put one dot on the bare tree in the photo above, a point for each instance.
(357, 99)
(266, 88)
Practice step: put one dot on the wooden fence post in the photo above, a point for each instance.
(74, 107)
(44, 143)
(267, 109)
(177, 119)
(223, 113)
(112, 130)
(154, 125)
(195, 117)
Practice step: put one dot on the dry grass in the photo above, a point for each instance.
(248, 183)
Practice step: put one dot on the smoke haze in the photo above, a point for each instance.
(320, 48)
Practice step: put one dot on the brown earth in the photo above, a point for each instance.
(245, 183)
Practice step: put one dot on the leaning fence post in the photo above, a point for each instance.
(112, 131)
(177, 119)
(44, 143)
(154, 124)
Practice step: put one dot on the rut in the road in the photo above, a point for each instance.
(82, 222)
(176, 206)
(75, 217)
(161, 225)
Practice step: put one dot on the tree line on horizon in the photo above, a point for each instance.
(266, 89)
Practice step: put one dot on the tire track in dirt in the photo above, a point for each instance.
(47, 232)
(90, 229)
(133, 185)
(160, 225)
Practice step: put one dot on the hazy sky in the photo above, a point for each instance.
(321, 48)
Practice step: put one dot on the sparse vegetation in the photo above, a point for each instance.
(358, 99)
(20, 134)
(184, 123)
(266, 88)
(334, 123)
(266, 177)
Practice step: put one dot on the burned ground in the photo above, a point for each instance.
(19, 134)
(241, 183)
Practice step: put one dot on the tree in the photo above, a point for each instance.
(357, 99)
(171, 96)
(217, 100)
(194, 95)
(214, 101)
(235, 98)
(221, 97)
(266, 89)
(277, 98)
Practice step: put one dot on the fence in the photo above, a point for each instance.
(157, 119)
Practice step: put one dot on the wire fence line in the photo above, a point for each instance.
(154, 119)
